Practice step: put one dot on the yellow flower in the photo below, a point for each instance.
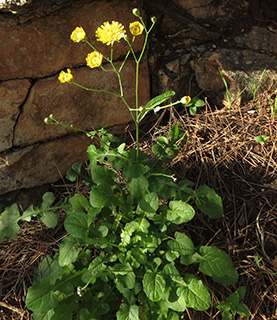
(108, 33)
(136, 28)
(94, 59)
(78, 34)
(185, 100)
(65, 76)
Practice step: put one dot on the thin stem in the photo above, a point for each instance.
(87, 42)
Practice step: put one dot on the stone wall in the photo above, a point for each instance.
(35, 46)
(191, 40)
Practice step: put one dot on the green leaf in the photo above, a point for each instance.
(139, 256)
(77, 225)
(49, 218)
(173, 316)
(175, 302)
(121, 269)
(175, 133)
(65, 308)
(150, 242)
(182, 244)
(209, 202)
(218, 265)
(102, 174)
(261, 139)
(179, 212)
(9, 222)
(193, 110)
(41, 299)
(69, 251)
(127, 312)
(226, 315)
(73, 173)
(103, 196)
(95, 269)
(153, 285)
(173, 274)
(154, 103)
(138, 187)
(241, 291)
(79, 203)
(198, 102)
(149, 204)
(195, 294)
(47, 200)
(127, 232)
(242, 310)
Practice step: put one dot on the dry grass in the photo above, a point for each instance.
(221, 152)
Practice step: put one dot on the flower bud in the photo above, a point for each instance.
(51, 116)
(157, 109)
(136, 12)
(47, 120)
(153, 19)
(185, 100)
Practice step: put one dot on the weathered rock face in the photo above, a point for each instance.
(33, 51)
(197, 38)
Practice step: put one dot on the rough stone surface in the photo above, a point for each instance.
(239, 37)
(42, 163)
(44, 44)
(13, 93)
(73, 105)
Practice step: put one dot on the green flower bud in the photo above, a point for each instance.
(153, 19)
(136, 12)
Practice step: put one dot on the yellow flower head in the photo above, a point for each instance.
(108, 33)
(65, 76)
(78, 34)
(185, 100)
(136, 28)
(94, 59)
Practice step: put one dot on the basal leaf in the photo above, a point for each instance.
(209, 202)
(49, 218)
(121, 269)
(9, 222)
(127, 232)
(175, 302)
(47, 200)
(103, 196)
(65, 308)
(173, 316)
(127, 312)
(181, 244)
(138, 187)
(95, 269)
(179, 212)
(102, 174)
(69, 251)
(173, 274)
(77, 225)
(218, 265)
(195, 294)
(153, 285)
(79, 203)
(149, 204)
(41, 299)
